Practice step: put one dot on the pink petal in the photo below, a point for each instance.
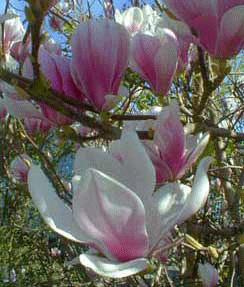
(155, 59)
(112, 215)
(231, 33)
(100, 56)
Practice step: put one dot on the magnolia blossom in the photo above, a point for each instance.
(17, 105)
(20, 50)
(169, 151)
(219, 24)
(13, 32)
(34, 126)
(136, 19)
(208, 274)
(155, 59)
(115, 209)
(100, 56)
(20, 166)
(56, 70)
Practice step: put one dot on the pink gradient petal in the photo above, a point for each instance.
(155, 59)
(231, 33)
(100, 55)
(212, 21)
(112, 214)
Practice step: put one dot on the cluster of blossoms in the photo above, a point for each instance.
(121, 208)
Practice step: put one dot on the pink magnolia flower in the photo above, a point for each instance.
(208, 274)
(20, 51)
(56, 70)
(155, 59)
(20, 166)
(219, 24)
(13, 32)
(115, 209)
(100, 56)
(34, 126)
(168, 150)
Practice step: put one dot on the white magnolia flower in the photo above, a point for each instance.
(115, 209)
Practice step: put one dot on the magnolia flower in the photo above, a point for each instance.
(208, 274)
(155, 59)
(13, 32)
(168, 150)
(100, 56)
(34, 126)
(20, 50)
(132, 19)
(219, 24)
(17, 105)
(136, 19)
(20, 166)
(56, 70)
(115, 209)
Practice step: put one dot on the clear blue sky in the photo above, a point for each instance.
(20, 4)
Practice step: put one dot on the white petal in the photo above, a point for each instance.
(200, 145)
(105, 267)
(200, 190)
(53, 210)
(196, 198)
(137, 168)
(169, 200)
(96, 158)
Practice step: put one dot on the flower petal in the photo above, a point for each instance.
(136, 166)
(200, 190)
(231, 34)
(98, 159)
(112, 215)
(201, 143)
(105, 267)
(196, 198)
(56, 214)
(169, 200)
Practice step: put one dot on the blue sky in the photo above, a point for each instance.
(97, 9)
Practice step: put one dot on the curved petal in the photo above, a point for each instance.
(199, 193)
(136, 166)
(105, 267)
(169, 135)
(201, 143)
(112, 215)
(196, 198)
(231, 33)
(53, 210)
(169, 200)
